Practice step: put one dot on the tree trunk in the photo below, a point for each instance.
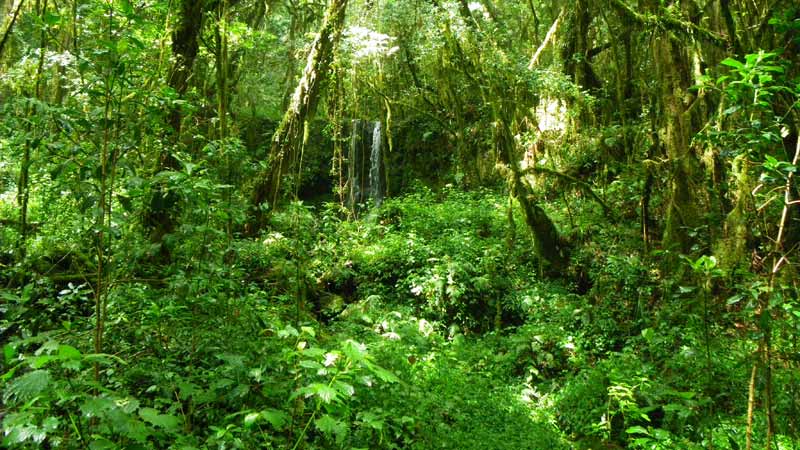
(576, 51)
(548, 245)
(159, 217)
(295, 24)
(672, 69)
(184, 50)
(287, 140)
(31, 141)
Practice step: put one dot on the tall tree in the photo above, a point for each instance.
(286, 148)
(159, 216)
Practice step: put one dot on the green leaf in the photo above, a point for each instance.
(648, 334)
(251, 418)
(50, 424)
(128, 405)
(165, 421)
(28, 386)
(9, 352)
(345, 389)
(637, 430)
(735, 299)
(326, 393)
(21, 433)
(102, 444)
(96, 406)
(330, 426)
(125, 6)
(10, 374)
(355, 351)
(68, 352)
(51, 19)
(383, 374)
(309, 331)
(309, 364)
(278, 419)
(372, 420)
(125, 202)
(730, 62)
(287, 332)
(40, 361)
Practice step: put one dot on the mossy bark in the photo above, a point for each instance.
(287, 141)
(683, 205)
(737, 235)
(548, 244)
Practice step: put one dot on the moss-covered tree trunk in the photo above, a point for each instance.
(576, 49)
(9, 25)
(548, 244)
(673, 38)
(287, 141)
(683, 203)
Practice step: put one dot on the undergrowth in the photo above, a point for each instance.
(420, 326)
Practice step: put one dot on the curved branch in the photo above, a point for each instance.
(584, 186)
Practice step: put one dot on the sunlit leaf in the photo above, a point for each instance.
(165, 421)
(325, 393)
(730, 62)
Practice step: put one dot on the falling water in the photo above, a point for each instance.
(364, 171)
(353, 176)
(375, 191)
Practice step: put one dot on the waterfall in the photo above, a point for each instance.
(364, 160)
(353, 172)
(375, 191)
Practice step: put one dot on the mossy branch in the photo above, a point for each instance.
(584, 186)
(286, 147)
(665, 21)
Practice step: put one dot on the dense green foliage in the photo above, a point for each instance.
(428, 224)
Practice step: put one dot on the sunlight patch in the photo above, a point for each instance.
(552, 115)
(368, 43)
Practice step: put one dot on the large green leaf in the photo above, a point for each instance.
(28, 386)
(331, 427)
(278, 419)
(165, 421)
(326, 393)
(730, 62)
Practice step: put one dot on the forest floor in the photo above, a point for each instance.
(429, 324)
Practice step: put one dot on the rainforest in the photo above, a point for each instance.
(400, 224)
